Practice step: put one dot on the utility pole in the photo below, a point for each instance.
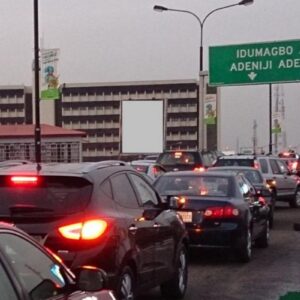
(282, 109)
(254, 138)
(276, 113)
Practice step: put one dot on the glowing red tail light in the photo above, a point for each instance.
(256, 165)
(294, 165)
(88, 230)
(221, 212)
(199, 169)
(24, 180)
(262, 200)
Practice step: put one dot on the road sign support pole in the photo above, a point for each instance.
(270, 119)
(37, 131)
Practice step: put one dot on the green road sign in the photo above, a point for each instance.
(259, 63)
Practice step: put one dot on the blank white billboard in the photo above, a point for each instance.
(142, 126)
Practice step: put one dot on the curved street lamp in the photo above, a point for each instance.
(160, 8)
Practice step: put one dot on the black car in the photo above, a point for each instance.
(30, 271)
(256, 179)
(183, 160)
(104, 215)
(218, 208)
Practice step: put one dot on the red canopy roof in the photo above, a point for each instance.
(11, 131)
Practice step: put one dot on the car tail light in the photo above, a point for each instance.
(294, 165)
(88, 230)
(262, 201)
(181, 200)
(24, 180)
(199, 169)
(271, 183)
(221, 212)
(256, 165)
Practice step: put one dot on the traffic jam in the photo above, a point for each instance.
(115, 229)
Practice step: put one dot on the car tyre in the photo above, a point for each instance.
(244, 250)
(175, 288)
(295, 201)
(126, 285)
(263, 240)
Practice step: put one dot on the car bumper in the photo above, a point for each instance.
(224, 236)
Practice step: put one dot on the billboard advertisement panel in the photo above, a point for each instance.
(142, 126)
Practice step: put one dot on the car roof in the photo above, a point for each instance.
(241, 168)
(194, 173)
(236, 156)
(143, 162)
(76, 169)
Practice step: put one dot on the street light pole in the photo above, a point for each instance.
(37, 131)
(160, 8)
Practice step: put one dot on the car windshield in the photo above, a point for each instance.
(177, 158)
(254, 176)
(54, 195)
(234, 162)
(194, 185)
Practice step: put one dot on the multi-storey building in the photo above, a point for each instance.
(97, 109)
(15, 105)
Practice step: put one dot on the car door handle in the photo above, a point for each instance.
(132, 229)
(156, 225)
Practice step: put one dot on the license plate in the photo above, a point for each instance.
(187, 216)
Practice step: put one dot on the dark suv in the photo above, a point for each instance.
(104, 215)
(284, 185)
(184, 160)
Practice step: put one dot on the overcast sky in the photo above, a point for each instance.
(125, 40)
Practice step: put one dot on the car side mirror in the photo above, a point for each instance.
(90, 279)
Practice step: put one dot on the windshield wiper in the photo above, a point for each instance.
(27, 209)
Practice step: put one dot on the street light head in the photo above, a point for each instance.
(246, 2)
(159, 8)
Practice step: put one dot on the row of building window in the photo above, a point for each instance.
(89, 111)
(147, 95)
(11, 100)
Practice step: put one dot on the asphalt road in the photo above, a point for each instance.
(271, 273)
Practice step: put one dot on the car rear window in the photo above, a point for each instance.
(57, 195)
(234, 162)
(177, 158)
(215, 186)
(253, 176)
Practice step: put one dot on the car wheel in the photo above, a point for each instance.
(126, 285)
(175, 288)
(244, 250)
(295, 201)
(263, 240)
